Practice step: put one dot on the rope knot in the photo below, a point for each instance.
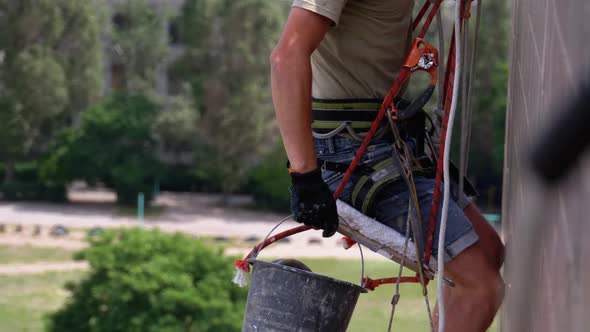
(370, 284)
(243, 265)
(347, 242)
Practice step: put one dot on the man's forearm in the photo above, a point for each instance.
(312, 202)
(291, 92)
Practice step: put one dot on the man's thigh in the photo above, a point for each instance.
(490, 242)
(391, 208)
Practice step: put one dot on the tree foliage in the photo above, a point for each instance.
(221, 124)
(489, 96)
(176, 126)
(226, 63)
(150, 281)
(51, 68)
(139, 43)
(269, 183)
(489, 102)
(114, 144)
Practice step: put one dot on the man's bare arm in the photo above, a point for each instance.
(291, 84)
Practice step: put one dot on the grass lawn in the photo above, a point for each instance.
(30, 254)
(373, 308)
(26, 299)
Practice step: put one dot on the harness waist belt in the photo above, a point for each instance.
(329, 114)
(344, 115)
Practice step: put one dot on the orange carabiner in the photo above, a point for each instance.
(422, 57)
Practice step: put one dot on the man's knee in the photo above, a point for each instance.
(490, 290)
(485, 293)
(489, 239)
(478, 277)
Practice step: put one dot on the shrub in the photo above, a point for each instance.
(185, 178)
(269, 182)
(23, 171)
(114, 144)
(27, 185)
(150, 281)
(20, 190)
(16, 190)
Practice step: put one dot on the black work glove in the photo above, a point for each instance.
(312, 202)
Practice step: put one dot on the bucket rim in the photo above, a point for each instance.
(310, 274)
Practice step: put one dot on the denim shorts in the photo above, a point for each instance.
(390, 206)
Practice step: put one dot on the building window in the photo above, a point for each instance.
(121, 22)
(173, 32)
(118, 77)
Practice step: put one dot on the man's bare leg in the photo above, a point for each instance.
(472, 304)
(488, 237)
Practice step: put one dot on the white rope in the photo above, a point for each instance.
(362, 283)
(447, 180)
(396, 296)
(255, 255)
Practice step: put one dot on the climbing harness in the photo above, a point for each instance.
(374, 178)
(332, 119)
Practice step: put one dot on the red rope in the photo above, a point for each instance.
(243, 263)
(429, 19)
(403, 75)
(371, 284)
(420, 15)
(347, 242)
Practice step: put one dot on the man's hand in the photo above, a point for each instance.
(312, 202)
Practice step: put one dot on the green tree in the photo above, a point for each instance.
(114, 144)
(50, 70)
(176, 126)
(489, 102)
(143, 280)
(269, 182)
(139, 43)
(196, 24)
(139, 46)
(226, 62)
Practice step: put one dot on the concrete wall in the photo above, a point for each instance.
(548, 287)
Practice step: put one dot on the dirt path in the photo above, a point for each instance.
(195, 214)
(271, 253)
(41, 267)
(46, 242)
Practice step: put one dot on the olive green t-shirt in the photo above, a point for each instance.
(361, 54)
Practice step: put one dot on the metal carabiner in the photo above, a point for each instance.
(422, 57)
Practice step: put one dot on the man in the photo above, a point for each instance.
(346, 54)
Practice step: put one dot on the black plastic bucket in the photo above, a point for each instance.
(283, 298)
